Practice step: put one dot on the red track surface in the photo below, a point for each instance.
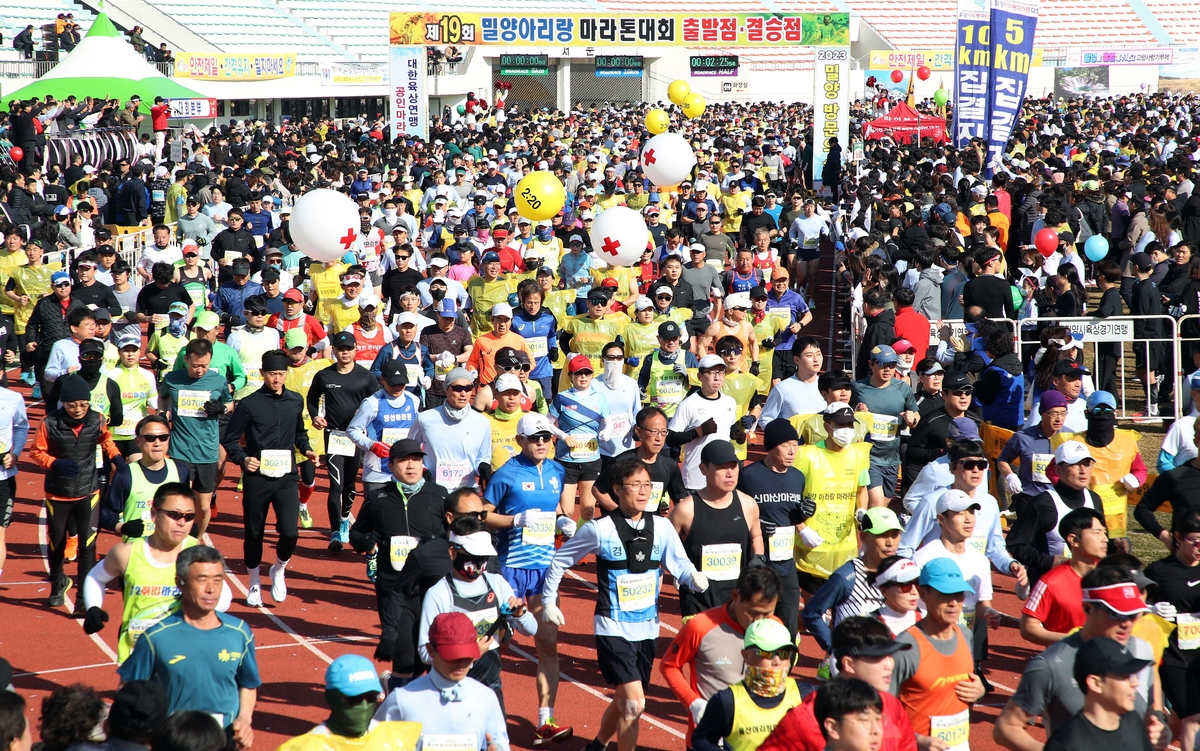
(329, 611)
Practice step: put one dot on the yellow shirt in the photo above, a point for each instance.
(326, 280)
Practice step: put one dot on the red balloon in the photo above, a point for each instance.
(897, 76)
(1046, 241)
(17, 153)
(923, 73)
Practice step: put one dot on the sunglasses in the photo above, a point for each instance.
(90, 357)
(729, 352)
(962, 392)
(155, 437)
(979, 464)
(460, 389)
(256, 311)
(480, 515)
(586, 372)
(63, 284)
(402, 258)
(664, 297)
(614, 358)
(509, 368)
(178, 516)
(540, 438)
(783, 653)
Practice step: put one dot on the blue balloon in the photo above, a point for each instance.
(1096, 248)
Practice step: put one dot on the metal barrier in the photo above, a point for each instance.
(130, 242)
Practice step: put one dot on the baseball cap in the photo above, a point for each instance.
(477, 543)
(697, 248)
(898, 573)
(878, 520)
(711, 361)
(1105, 656)
(506, 382)
(1142, 261)
(1101, 398)
(207, 320)
(956, 500)
(964, 428)
(1070, 367)
(944, 575)
(447, 308)
(453, 637)
(293, 295)
(1052, 400)
(129, 340)
(101, 314)
(406, 318)
(91, 346)
(1072, 452)
(768, 635)
(501, 310)
(533, 423)
(902, 346)
(839, 413)
(62, 211)
(438, 262)
(1123, 598)
(579, 363)
(368, 301)
(405, 447)
(955, 380)
(669, 330)
(343, 339)
(663, 289)
(643, 303)
(490, 258)
(352, 675)
(143, 705)
(507, 357)
(394, 373)
(882, 353)
(60, 276)
(758, 293)
(718, 452)
(240, 267)
(738, 300)
(294, 338)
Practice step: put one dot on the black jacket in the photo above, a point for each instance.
(881, 329)
(386, 514)
(269, 421)
(928, 441)
(48, 324)
(64, 443)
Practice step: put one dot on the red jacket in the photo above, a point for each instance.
(799, 731)
(914, 327)
(158, 116)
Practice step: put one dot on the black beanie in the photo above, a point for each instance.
(74, 389)
(274, 360)
(778, 431)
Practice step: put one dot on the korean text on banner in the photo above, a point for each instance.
(971, 70)
(222, 66)
(935, 60)
(832, 103)
(410, 109)
(634, 29)
(201, 109)
(353, 74)
(1013, 24)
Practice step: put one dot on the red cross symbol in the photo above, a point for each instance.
(348, 239)
(610, 246)
(648, 158)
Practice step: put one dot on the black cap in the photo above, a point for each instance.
(669, 330)
(104, 233)
(405, 447)
(343, 339)
(758, 293)
(270, 275)
(91, 347)
(1066, 367)
(778, 432)
(718, 452)
(841, 415)
(506, 357)
(74, 389)
(870, 650)
(101, 314)
(240, 267)
(1104, 656)
(955, 380)
(394, 373)
(1142, 261)
(140, 707)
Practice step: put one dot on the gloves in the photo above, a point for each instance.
(768, 343)
(681, 368)
(213, 408)
(633, 361)
(94, 620)
(551, 614)
(566, 525)
(311, 351)
(697, 710)
(768, 528)
(426, 382)
(754, 368)
(1164, 610)
(737, 434)
(747, 422)
(521, 519)
(386, 650)
(65, 467)
(160, 364)
(133, 528)
(382, 450)
(699, 582)
(605, 434)
(1013, 484)
(805, 510)
(1130, 482)
(445, 359)
(810, 538)
(552, 354)
(708, 427)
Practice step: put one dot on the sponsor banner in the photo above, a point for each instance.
(354, 74)
(907, 60)
(1013, 25)
(410, 107)
(971, 71)
(225, 66)
(198, 109)
(831, 100)
(1149, 56)
(632, 29)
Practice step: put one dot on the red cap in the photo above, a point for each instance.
(1123, 598)
(609, 282)
(294, 295)
(453, 637)
(902, 345)
(578, 363)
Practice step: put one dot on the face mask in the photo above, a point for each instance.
(390, 214)
(765, 681)
(612, 370)
(437, 293)
(346, 719)
(843, 436)
(470, 567)
(177, 327)
(1101, 428)
(90, 368)
(544, 233)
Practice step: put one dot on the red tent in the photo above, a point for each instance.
(902, 122)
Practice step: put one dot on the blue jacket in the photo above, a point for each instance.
(258, 223)
(231, 299)
(1000, 392)
(545, 325)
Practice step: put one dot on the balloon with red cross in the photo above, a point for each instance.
(324, 224)
(667, 159)
(619, 236)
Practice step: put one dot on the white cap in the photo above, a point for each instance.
(711, 361)
(438, 262)
(956, 500)
(900, 573)
(643, 303)
(160, 171)
(586, 214)
(476, 544)
(533, 423)
(738, 300)
(664, 290)
(545, 223)
(507, 382)
(701, 185)
(407, 317)
(1072, 452)
(698, 246)
(368, 301)
(501, 309)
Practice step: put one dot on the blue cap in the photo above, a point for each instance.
(447, 308)
(59, 276)
(1195, 381)
(943, 575)
(352, 675)
(1101, 397)
(490, 258)
(882, 353)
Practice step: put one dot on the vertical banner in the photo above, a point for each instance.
(410, 107)
(831, 102)
(972, 61)
(1013, 24)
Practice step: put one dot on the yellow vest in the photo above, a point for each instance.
(768, 328)
(640, 340)
(588, 337)
(299, 379)
(832, 480)
(751, 723)
(328, 284)
(9, 261)
(504, 439)
(385, 736)
(812, 427)
(484, 295)
(1112, 463)
(741, 387)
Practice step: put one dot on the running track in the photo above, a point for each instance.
(329, 611)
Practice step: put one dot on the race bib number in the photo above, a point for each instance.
(636, 591)
(158, 320)
(398, 549)
(811, 242)
(721, 562)
(783, 544)
(253, 375)
(274, 462)
(139, 626)
(669, 392)
(954, 730)
(391, 435)
(540, 530)
(158, 196)
(483, 620)
(619, 424)
(258, 241)
(452, 473)
(191, 403)
(414, 374)
(656, 495)
(716, 263)
(537, 346)
(339, 444)
(589, 451)
(128, 428)
(443, 742)
(782, 313)
(978, 542)
(884, 427)
(1187, 630)
(1040, 463)
(99, 457)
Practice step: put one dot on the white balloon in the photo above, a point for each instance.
(619, 236)
(324, 224)
(667, 159)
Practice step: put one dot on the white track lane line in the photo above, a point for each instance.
(65, 670)
(44, 545)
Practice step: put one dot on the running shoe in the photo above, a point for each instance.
(306, 521)
(254, 596)
(824, 671)
(341, 537)
(278, 583)
(372, 566)
(58, 591)
(37, 392)
(240, 480)
(27, 378)
(71, 551)
(551, 733)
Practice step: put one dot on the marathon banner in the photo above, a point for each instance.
(632, 29)
(353, 74)
(1013, 24)
(831, 104)
(194, 109)
(912, 59)
(223, 66)
(971, 69)
(409, 110)
(1150, 56)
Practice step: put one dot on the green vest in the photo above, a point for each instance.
(666, 388)
(150, 595)
(141, 495)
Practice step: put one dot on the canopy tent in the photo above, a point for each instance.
(104, 65)
(903, 122)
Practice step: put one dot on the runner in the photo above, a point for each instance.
(251, 341)
(125, 507)
(139, 392)
(703, 417)
(890, 402)
(14, 433)
(1055, 605)
(624, 402)
(583, 416)
(456, 438)
(664, 374)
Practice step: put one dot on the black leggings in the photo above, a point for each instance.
(787, 607)
(343, 477)
(261, 493)
(85, 512)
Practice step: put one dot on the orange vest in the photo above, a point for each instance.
(930, 692)
(742, 331)
(368, 346)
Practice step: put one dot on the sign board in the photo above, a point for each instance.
(223, 66)
(408, 101)
(935, 60)
(957, 328)
(735, 87)
(176, 153)
(619, 66)
(1101, 330)
(196, 109)
(354, 74)
(714, 65)
(1152, 56)
(524, 65)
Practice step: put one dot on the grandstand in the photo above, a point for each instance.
(15, 15)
